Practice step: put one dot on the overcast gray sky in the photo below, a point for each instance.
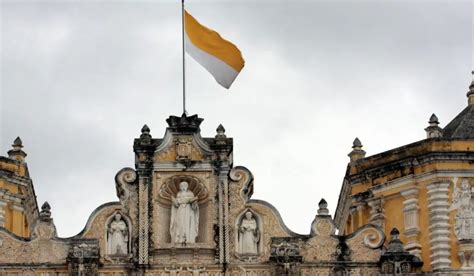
(79, 80)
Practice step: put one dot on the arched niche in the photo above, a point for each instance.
(241, 237)
(113, 227)
(170, 189)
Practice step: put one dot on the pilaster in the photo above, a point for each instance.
(144, 150)
(439, 225)
(223, 150)
(411, 220)
(377, 216)
(352, 212)
(360, 214)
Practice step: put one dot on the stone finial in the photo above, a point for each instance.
(357, 151)
(18, 142)
(220, 132)
(45, 213)
(145, 129)
(470, 93)
(433, 130)
(357, 143)
(323, 224)
(323, 208)
(433, 119)
(396, 260)
(145, 137)
(16, 152)
(395, 244)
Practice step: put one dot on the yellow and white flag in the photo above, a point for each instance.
(220, 57)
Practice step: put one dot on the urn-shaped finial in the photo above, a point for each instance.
(145, 137)
(45, 212)
(323, 208)
(16, 152)
(145, 129)
(220, 132)
(433, 130)
(357, 151)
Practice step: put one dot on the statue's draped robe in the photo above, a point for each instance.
(118, 238)
(249, 237)
(184, 224)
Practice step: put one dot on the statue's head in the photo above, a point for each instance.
(183, 186)
(117, 216)
(248, 215)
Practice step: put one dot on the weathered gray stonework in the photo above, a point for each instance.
(222, 193)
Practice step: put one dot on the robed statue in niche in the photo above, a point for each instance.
(117, 240)
(249, 235)
(184, 223)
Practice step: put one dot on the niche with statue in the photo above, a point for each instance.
(248, 234)
(183, 208)
(118, 235)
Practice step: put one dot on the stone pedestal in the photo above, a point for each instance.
(466, 253)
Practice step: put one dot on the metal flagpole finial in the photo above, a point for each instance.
(184, 63)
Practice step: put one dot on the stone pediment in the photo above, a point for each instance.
(185, 210)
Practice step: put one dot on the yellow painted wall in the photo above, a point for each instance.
(393, 206)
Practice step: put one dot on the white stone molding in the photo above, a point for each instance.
(422, 177)
(18, 208)
(411, 215)
(377, 216)
(439, 225)
(3, 205)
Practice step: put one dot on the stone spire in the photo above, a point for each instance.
(470, 93)
(17, 153)
(357, 151)
(433, 130)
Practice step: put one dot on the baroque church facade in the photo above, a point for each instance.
(185, 209)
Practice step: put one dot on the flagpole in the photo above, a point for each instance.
(184, 68)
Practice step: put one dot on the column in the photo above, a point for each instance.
(411, 219)
(438, 206)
